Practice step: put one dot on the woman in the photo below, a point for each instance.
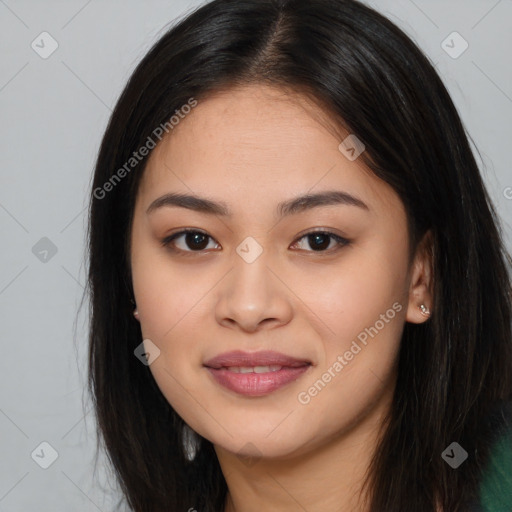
(299, 291)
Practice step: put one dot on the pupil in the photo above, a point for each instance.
(317, 244)
(195, 240)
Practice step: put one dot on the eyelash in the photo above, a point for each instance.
(166, 242)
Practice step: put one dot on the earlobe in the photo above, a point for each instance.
(419, 315)
(136, 313)
(420, 292)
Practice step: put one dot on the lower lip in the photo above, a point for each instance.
(256, 384)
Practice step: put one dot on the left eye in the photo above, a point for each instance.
(196, 241)
(319, 241)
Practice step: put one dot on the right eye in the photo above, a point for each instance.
(191, 241)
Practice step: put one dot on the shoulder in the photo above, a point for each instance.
(496, 484)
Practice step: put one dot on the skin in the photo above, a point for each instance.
(252, 147)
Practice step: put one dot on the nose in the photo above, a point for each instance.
(253, 296)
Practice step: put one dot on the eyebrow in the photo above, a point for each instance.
(289, 207)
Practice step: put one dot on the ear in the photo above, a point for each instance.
(421, 283)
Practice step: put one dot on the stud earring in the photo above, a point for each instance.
(424, 310)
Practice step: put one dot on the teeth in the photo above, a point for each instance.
(254, 369)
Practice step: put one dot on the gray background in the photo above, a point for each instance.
(54, 111)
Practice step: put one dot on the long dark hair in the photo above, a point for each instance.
(454, 371)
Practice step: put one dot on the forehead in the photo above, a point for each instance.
(257, 138)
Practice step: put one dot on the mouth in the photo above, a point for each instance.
(255, 374)
(254, 369)
(255, 362)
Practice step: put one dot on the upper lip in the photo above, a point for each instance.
(250, 359)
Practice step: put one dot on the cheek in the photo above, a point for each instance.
(168, 295)
(172, 304)
(363, 312)
(353, 295)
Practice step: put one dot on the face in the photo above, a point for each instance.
(324, 281)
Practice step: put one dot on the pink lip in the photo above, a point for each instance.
(250, 359)
(255, 384)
